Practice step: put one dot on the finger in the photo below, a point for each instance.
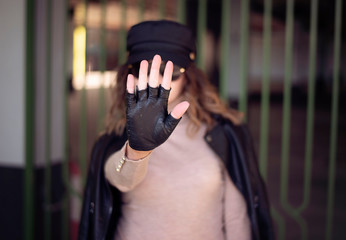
(143, 75)
(153, 92)
(164, 93)
(179, 110)
(130, 87)
(171, 123)
(167, 76)
(130, 84)
(155, 72)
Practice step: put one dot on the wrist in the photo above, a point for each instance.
(133, 154)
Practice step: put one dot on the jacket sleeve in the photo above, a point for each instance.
(101, 202)
(84, 221)
(259, 199)
(87, 207)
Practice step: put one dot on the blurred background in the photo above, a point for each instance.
(281, 62)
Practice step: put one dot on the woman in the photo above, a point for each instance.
(175, 162)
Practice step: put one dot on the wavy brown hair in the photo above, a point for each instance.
(198, 91)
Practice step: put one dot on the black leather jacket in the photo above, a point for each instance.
(233, 144)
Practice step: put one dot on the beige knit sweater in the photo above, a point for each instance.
(180, 192)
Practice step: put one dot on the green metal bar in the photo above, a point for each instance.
(265, 105)
(83, 135)
(102, 66)
(334, 118)
(48, 165)
(122, 34)
(295, 213)
(265, 99)
(287, 108)
(244, 45)
(201, 32)
(280, 223)
(74, 192)
(225, 47)
(287, 104)
(83, 115)
(285, 154)
(65, 167)
(162, 9)
(310, 105)
(29, 122)
(141, 9)
(102, 46)
(181, 11)
(302, 224)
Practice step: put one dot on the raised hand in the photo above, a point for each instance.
(148, 122)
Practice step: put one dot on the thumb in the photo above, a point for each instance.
(179, 110)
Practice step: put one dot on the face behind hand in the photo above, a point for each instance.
(176, 87)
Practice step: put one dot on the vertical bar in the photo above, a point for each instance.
(285, 152)
(265, 98)
(295, 213)
(334, 118)
(65, 169)
(201, 32)
(122, 34)
(102, 66)
(225, 46)
(48, 166)
(29, 122)
(287, 107)
(265, 105)
(181, 11)
(244, 45)
(102, 46)
(162, 9)
(141, 8)
(280, 223)
(83, 115)
(287, 103)
(310, 104)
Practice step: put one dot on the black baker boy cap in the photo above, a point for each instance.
(171, 40)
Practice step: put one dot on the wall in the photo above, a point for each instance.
(56, 77)
(13, 39)
(12, 69)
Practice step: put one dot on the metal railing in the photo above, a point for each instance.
(294, 212)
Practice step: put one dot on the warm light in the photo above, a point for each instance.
(79, 46)
(89, 79)
(94, 79)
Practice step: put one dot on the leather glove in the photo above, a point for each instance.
(148, 122)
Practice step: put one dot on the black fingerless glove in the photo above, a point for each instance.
(148, 122)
